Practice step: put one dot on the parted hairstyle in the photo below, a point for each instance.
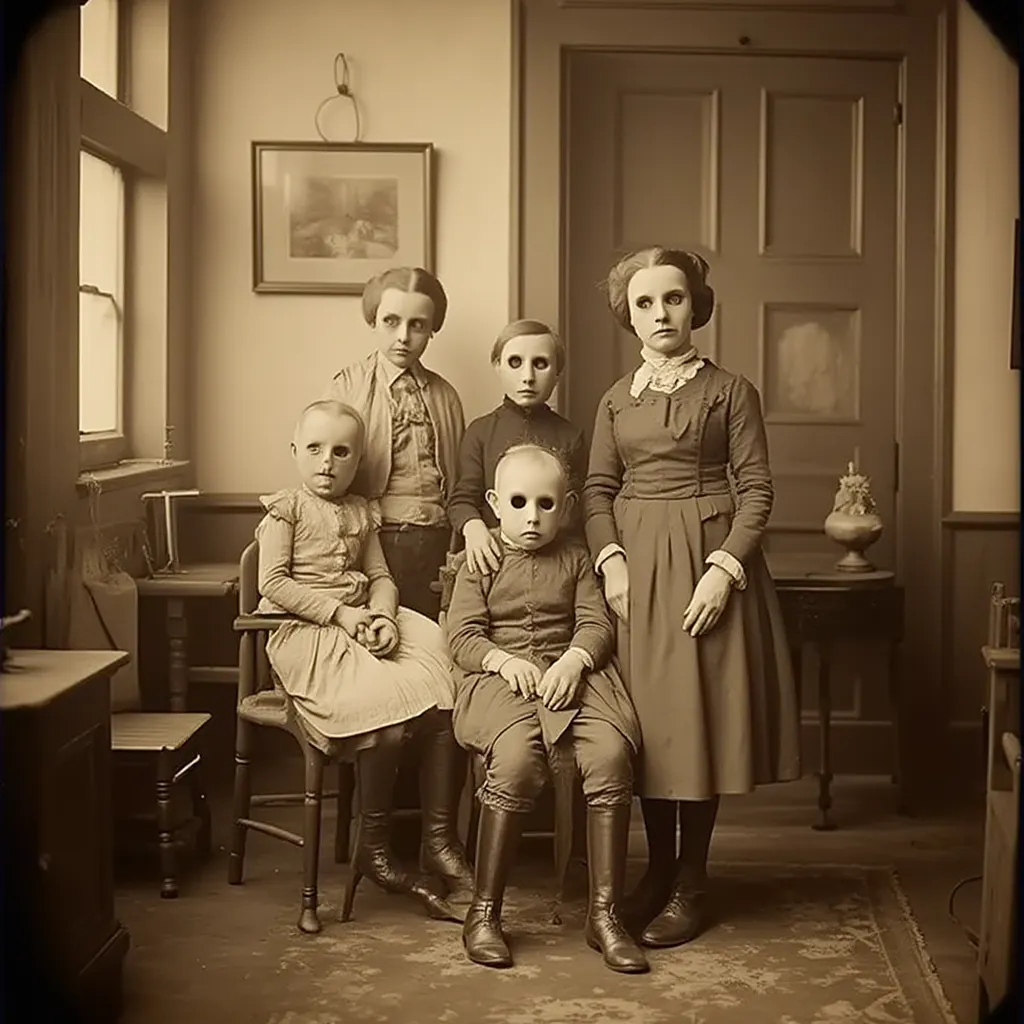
(702, 295)
(405, 279)
(521, 328)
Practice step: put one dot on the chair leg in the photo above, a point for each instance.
(201, 809)
(309, 921)
(354, 877)
(241, 800)
(168, 866)
(343, 823)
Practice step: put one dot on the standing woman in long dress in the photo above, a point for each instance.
(676, 501)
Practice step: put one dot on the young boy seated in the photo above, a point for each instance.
(532, 645)
(528, 357)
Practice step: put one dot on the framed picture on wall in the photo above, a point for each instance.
(328, 216)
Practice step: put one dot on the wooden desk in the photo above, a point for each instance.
(63, 940)
(190, 581)
(997, 937)
(822, 607)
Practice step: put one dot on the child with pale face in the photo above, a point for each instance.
(528, 358)
(532, 645)
(359, 669)
(414, 426)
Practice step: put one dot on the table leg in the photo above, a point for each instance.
(895, 711)
(825, 737)
(177, 654)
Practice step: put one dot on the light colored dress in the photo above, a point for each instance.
(316, 555)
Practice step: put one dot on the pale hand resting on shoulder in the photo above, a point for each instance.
(483, 552)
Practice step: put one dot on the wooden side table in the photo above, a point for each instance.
(823, 607)
(175, 589)
(63, 940)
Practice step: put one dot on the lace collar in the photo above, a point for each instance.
(665, 374)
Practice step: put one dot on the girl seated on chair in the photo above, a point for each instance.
(362, 673)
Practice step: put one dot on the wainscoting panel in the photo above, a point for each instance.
(981, 548)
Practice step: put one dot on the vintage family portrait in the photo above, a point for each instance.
(512, 512)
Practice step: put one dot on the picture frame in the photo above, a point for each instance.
(328, 216)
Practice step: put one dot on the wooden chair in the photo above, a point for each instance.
(165, 745)
(568, 826)
(261, 702)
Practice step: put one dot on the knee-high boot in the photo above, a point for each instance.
(655, 886)
(683, 917)
(442, 775)
(377, 770)
(607, 842)
(498, 838)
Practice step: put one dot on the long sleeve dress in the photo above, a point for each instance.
(315, 556)
(719, 712)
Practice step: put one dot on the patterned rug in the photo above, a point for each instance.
(792, 945)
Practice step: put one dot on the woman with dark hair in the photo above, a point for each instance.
(414, 426)
(676, 501)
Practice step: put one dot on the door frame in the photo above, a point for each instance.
(920, 36)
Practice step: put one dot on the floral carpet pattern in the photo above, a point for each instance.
(791, 945)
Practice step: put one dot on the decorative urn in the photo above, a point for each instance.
(853, 523)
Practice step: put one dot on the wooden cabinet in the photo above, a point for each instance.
(64, 947)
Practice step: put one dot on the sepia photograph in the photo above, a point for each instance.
(511, 512)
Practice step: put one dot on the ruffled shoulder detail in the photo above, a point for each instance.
(282, 505)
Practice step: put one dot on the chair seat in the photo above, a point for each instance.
(154, 730)
(266, 707)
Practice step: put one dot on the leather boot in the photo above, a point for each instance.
(642, 904)
(683, 917)
(377, 770)
(607, 842)
(496, 848)
(442, 775)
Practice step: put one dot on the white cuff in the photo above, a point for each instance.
(495, 658)
(606, 552)
(732, 565)
(584, 656)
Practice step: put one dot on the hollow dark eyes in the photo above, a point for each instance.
(540, 363)
(517, 501)
(515, 362)
(342, 451)
(547, 504)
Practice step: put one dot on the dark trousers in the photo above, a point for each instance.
(516, 767)
(415, 555)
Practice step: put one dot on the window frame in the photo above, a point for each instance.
(112, 131)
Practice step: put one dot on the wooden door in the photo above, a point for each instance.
(782, 172)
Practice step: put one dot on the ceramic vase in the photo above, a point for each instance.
(856, 533)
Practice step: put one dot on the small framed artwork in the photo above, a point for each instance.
(328, 216)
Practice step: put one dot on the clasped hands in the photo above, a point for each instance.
(709, 599)
(557, 687)
(375, 631)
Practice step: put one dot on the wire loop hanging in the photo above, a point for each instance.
(342, 91)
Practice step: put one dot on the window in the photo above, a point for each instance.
(100, 298)
(100, 49)
(122, 300)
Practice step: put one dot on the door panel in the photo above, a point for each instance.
(781, 171)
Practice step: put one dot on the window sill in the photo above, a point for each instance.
(131, 473)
